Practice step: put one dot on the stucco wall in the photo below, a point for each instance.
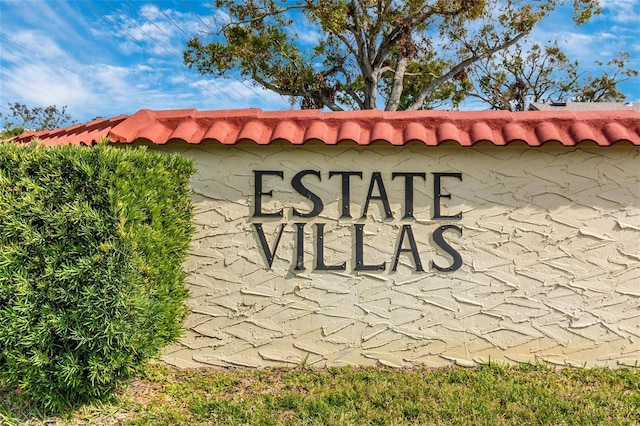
(550, 251)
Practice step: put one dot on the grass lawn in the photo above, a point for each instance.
(485, 395)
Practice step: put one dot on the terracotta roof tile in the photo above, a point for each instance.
(78, 134)
(581, 132)
(431, 128)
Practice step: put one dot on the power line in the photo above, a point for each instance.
(188, 36)
(131, 36)
(197, 15)
(137, 26)
(169, 19)
(139, 41)
(20, 45)
(161, 45)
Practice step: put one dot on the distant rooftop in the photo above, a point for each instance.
(585, 106)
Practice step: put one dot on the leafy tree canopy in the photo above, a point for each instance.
(23, 118)
(514, 78)
(410, 54)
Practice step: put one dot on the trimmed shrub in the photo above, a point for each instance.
(92, 242)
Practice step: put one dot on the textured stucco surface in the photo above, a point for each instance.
(550, 249)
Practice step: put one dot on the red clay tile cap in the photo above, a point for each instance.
(79, 134)
(229, 127)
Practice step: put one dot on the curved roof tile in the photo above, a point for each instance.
(256, 131)
(481, 132)
(514, 132)
(415, 131)
(548, 132)
(383, 131)
(615, 131)
(431, 128)
(352, 131)
(220, 131)
(317, 131)
(580, 131)
(449, 132)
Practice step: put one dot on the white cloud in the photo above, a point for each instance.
(67, 53)
(218, 18)
(178, 79)
(304, 32)
(616, 29)
(39, 85)
(585, 47)
(622, 11)
(25, 44)
(576, 45)
(42, 66)
(137, 36)
(150, 12)
(61, 15)
(156, 31)
(110, 77)
(238, 94)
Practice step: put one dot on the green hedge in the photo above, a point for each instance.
(92, 242)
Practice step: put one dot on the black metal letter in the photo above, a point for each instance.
(320, 265)
(413, 250)
(408, 190)
(265, 246)
(439, 240)
(377, 178)
(437, 195)
(360, 266)
(259, 193)
(300, 247)
(296, 182)
(346, 193)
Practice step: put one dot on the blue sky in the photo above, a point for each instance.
(110, 57)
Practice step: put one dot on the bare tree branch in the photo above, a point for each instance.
(417, 104)
(398, 84)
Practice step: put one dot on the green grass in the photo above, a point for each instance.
(486, 395)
